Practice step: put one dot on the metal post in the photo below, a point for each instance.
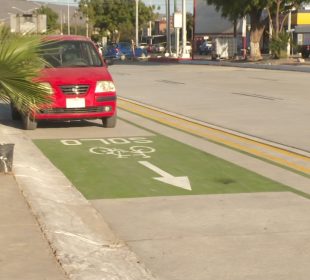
(289, 29)
(87, 26)
(87, 20)
(68, 18)
(168, 28)
(137, 22)
(244, 36)
(61, 20)
(167, 25)
(270, 34)
(176, 31)
(184, 40)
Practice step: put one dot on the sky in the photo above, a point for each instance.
(160, 3)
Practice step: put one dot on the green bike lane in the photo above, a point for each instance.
(139, 166)
(186, 213)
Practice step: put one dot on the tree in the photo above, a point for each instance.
(238, 9)
(51, 17)
(255, 10)
(278, 12)
(189, 26)
(116, 15)
(20, 64)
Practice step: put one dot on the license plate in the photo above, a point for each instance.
(75, 102)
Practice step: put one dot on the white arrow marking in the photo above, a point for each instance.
(181, 182)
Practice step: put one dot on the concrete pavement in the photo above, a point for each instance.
(76, 233)
(25, 253)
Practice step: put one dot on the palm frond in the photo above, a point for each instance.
(20, 65)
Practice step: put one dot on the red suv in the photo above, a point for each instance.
(78, 81)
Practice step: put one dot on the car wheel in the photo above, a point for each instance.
(15, 114)
(109, 122)
(28, 122)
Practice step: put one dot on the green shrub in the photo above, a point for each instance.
(278, 45)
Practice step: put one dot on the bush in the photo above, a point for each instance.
(278, 45)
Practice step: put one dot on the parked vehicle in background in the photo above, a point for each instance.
(123, 50)
(120, 50)
(205, 48)
(154, 43)
(150, 48)
(160, 48)
(112, 51)
(126, 49)
(143, 45)
(78, 82)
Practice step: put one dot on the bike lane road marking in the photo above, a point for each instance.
(111, 168)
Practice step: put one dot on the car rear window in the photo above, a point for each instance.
(67, 53)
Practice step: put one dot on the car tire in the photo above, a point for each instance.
(15, 114)
(28, 122)
(109, 122)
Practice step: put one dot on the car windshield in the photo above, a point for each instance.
(73, 53)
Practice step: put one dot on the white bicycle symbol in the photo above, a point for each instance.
(121, 153)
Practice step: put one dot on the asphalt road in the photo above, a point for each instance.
(273, 105)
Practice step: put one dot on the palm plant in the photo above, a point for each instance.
(20, 64)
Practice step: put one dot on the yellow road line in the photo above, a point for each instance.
(196, 129)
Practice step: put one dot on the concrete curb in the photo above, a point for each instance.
(82, 242)
(283, 67)
(295, 68)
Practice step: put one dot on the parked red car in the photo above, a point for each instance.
(78, 81)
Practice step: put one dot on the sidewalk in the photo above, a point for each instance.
(59, 223)
(25, 254)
